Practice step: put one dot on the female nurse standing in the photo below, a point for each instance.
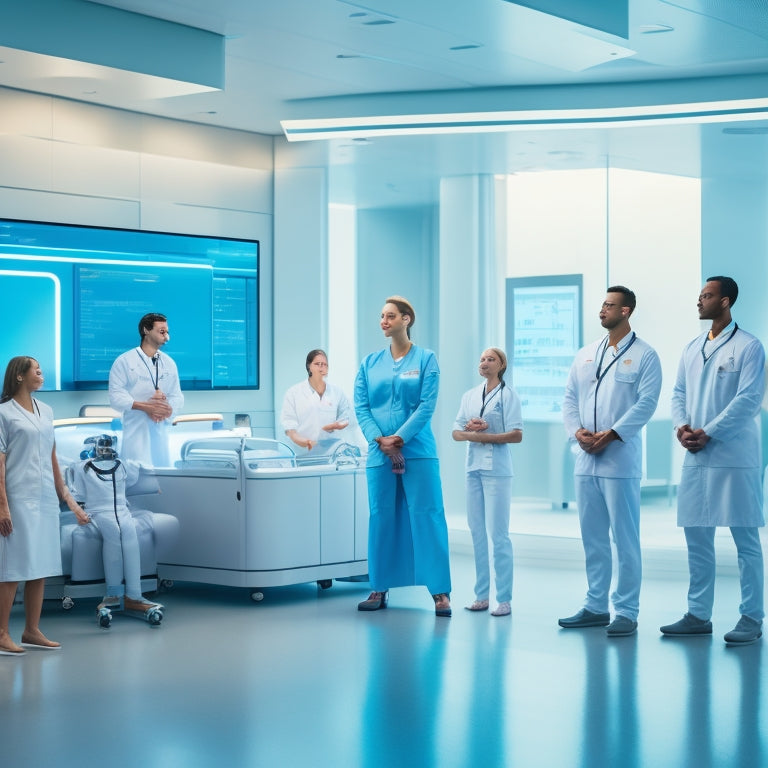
(30, 488)
(489, 420)
(395, 396)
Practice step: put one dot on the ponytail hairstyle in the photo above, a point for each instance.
(17, 368)
(404, 307)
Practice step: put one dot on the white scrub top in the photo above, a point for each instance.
(33, 549)
(503, 413)
(306, 412)
(721, 484)
(622, 398)
(132, 377)
(98, 493)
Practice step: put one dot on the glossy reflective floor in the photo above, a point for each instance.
(304, 679)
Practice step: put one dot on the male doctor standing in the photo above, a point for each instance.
(612, 392)
(715, 402)
(144, 388)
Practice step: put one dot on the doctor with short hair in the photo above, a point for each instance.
(715, 404)
(612, 392)
(144, 387)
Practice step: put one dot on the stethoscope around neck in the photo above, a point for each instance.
(707, 357)
(601, 374)
(487, 399)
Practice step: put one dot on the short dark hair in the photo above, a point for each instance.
(728, 287)
(147, 323)
(629, 300)
(311, 355)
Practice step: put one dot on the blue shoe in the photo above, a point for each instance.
(621, 626)
(745, 632)
(688, 625)
(585, 618)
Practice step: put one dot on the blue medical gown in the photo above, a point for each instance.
(721, 485)
(407, 534)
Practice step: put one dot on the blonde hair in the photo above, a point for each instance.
(502, 355)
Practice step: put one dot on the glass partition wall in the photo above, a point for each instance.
(657, 209)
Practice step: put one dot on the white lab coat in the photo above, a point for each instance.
(306, 412)
(721, 484)
(623, 400)
(132, 377)
(33, 549)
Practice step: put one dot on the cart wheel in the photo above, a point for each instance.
(105, 618)
(67, 603)
(166, 583)
(154, 617)
(257, 596)
(325, 583)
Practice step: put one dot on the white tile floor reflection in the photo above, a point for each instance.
(305, 680)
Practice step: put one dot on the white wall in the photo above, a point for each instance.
(74, 163)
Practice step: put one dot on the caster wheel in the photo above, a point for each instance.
(67, 603)
(105, 619)
(166, 583)
(155, 617)
(325, 583)
(257, 597)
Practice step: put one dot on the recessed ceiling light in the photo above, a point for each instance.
(654, 29)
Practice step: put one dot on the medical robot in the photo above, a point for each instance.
(100, 480)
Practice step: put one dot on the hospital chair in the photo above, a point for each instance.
(81, 549)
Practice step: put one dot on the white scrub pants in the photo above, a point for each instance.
(701, 566)
(488, 500)
(120, 552)
(609, 505)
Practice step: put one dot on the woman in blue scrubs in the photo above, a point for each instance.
(395, 396)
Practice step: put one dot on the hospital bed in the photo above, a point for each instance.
(250, 515)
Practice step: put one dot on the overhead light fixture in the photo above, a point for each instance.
(524, 120)
(654, 29)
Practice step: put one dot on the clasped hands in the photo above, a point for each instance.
(594, 442)
(158, 409)
(692, 440)
(390, 445)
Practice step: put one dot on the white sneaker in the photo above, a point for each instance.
(502, 609)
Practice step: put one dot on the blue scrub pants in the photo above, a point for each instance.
(701, 566)
(407, 532)
(609, 505)
(120, 552)
(488, 500)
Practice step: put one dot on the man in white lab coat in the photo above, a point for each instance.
(715, 404)
(144, 388)
(612, 392)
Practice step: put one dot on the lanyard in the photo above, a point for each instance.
(601, 374)
(156, 378)
(494, 392)
(708, 357)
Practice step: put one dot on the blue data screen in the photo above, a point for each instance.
(76, 294)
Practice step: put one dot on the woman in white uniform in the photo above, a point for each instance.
(31, 487)
(490, 420)
(314, 409)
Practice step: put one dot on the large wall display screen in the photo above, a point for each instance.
(73, 296)
(544, 328)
